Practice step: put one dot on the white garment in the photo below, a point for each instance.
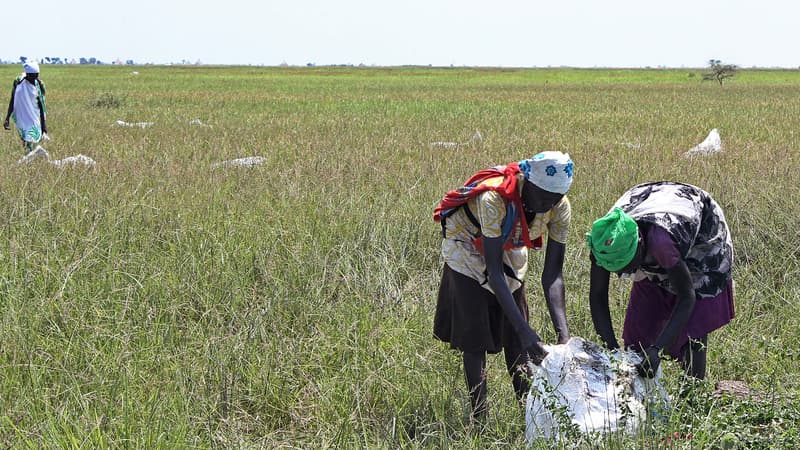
(26, 111)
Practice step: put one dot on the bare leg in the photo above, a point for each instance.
(693, 358)
(475, 372)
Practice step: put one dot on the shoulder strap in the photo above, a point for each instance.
(471, 216)
(472, 187)
(467, 211)
(455, 198)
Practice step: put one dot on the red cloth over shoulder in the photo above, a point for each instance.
(508, 189)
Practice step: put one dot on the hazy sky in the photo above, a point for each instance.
(507, 33)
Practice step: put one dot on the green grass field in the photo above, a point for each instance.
(157, 302)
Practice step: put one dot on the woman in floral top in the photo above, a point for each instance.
(488, 225)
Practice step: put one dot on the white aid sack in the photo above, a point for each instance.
(475, 139)
(582, 387)
(121, 123)
(78, 159)
(249, 161)
(712, 144)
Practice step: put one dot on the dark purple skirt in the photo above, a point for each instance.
(650, 308)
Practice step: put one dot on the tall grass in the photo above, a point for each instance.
(156, 301)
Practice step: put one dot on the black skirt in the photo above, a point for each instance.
(470, 318)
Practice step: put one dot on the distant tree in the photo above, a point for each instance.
(84, 60)
(719, 71)
(92, 60)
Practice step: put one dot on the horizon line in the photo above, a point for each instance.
(362, 65)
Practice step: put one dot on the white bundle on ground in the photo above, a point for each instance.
(37, 153)
(134, 124)
(249, 161)
(712, 144)
(40, 153)
(633, 145)
(582, 387)
(198, 123)
(444, 144)
(475, 139)
(77, 159)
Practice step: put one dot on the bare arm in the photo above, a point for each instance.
(553, 285)
(42, 115)
(493, 254)
(10, 106)
(681, 281)
(598, 304)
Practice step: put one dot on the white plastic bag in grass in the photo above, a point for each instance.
(249, 161)
(198, 123)
(475, 139)
(580, 387)
(712, 144)
(37, 153)
(76, 160)
(121, 123)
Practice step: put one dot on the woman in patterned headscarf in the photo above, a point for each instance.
(672, 239)
(488, 225)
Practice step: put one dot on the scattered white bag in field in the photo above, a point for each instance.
(712, 144)
(40, 153)
(249, 161)
(444, 144)
(198, 123)
(37, 153)
(633, 145)
(134, 124)
(582, 387)
(476, 138)
(74, 160)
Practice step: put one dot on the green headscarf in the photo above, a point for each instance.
(613, 240)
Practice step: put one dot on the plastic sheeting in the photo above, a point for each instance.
(581, 387)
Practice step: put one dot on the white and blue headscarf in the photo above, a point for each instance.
(31, 67)
(551, 171)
